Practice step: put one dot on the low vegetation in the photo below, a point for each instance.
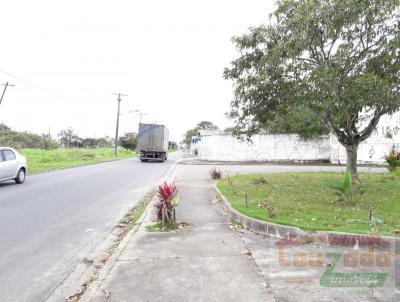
(172, 146)
(346, 190)
(312, 201)
(167, 201)
(393, 159)
(215, 174)
(167, 227)
(46, 160)
(165, 209)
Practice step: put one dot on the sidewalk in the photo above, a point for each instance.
(206, 262)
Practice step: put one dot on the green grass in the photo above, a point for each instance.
(306, 200)
(46, 160)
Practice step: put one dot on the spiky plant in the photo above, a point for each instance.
(215, 174)
(166, 202)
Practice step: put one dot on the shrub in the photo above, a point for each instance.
(167, 202)
(90, 155)
(215, 174)
(346, 191)
(393, 159)
(267, 204)
(259, 181)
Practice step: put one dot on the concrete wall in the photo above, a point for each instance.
(263, 148)
(374, 149)
(292, 148)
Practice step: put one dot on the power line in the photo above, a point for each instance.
(4, 91)
(26, 81)
(117, 127)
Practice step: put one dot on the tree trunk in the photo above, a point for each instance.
(351, 151)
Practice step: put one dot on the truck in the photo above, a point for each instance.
(153, 142)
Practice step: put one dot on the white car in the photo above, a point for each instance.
(12, 165)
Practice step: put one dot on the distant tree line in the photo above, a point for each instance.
(20, 140)
(69, 139)
(66, 138)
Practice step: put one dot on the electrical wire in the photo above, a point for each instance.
(26, 82)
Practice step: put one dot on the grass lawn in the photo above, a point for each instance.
(46, 160)
(306, 200)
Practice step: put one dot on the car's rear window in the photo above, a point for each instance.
(8, 155)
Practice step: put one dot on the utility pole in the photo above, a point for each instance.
(4, 91)
(117, 128)
(141, 114)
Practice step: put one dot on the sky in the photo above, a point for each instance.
(67, 58)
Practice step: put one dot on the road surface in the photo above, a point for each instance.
(48, 223)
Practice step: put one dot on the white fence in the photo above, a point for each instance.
(291, 148)
(374, 149)
(272, 148)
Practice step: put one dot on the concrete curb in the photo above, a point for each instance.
(290, 235)
(255, 225)
(94, 286)
(196, 161)
(144, 218)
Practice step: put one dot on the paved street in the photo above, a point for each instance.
(49, 223)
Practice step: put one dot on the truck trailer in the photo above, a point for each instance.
(153, 142)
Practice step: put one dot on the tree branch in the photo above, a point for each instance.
(367, 131)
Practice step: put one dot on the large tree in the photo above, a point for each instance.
(129, 141)
(339, 59)
(69, 138)
(204, 125)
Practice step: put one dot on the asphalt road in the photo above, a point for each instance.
(48, 223)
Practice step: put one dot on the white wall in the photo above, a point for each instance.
(374, 149)
(291, 148)
(264, 148)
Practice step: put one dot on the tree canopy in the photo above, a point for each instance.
(24, 139)
(68, 138)
(203, 125)
(339, 60)
(129, 141)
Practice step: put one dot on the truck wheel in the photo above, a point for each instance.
(143, 160)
